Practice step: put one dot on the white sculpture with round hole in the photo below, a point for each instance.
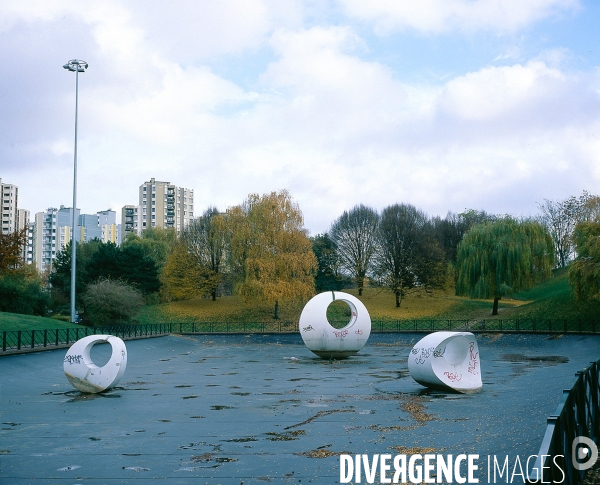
(326, 341)
(447, 360)
(86, 376)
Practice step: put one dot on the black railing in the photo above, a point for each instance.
(35, 339)
(433, 325)
(22, 339)
(577, 416)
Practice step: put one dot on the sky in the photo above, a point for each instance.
(447, 105)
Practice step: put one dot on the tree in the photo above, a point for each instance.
(450, 230)
(206, 240)
(448, 233)
(408, 255)
(111, 302)
(354, 234)
(157, 243)
(60, 278)
(561, 217)
(138, 269)
(328, 277)
(21, 288)
(22, 292)
(196, 265)
(584, 272)
(501, 257)
(96, 260)
(181, 275)
(130, 263)
(11, 251)
(269, 241)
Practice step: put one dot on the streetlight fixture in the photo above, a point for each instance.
(76, 66)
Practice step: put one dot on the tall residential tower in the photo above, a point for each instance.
(165, 205)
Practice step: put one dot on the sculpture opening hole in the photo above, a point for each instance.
(339, 314)
(101, 353)
(456, 350)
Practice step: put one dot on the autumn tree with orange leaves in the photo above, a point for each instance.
(270, 250)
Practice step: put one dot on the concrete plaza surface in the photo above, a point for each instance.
(256, 409)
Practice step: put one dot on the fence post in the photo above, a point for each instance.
(4, 341)
(56, 336)
(45, 337)
(19, 340)
(32, 339)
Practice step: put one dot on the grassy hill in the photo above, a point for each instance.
(550, 300)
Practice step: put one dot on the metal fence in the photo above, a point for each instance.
(36, 339)
(577, 415)
(433, 325)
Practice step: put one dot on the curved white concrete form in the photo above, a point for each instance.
(86, 376)
(447, 360)
(326, 341)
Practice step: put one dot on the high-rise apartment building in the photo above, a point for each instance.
(9, 212)
(165, 205)
(51, 232)
(44, 239)
(109, 231)
(131, 219)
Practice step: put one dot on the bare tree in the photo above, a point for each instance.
(408, 254)
(561, 217)
(205, 240)
(354, 234)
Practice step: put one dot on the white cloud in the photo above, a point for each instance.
(320, 120)
(436, 16)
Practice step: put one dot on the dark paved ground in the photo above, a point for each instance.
(262, 409)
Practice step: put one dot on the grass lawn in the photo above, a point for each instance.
(16, 321)
(552, 300)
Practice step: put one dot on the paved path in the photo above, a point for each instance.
(262, 409)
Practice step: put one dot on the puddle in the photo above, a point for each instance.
(535, 359)
(219, 408)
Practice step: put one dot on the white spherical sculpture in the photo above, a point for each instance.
(84, 375)
(326, 341)
(447, 360)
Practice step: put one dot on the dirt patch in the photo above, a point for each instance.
(414, 450)
(322, 453)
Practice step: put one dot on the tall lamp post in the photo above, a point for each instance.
(76, 66)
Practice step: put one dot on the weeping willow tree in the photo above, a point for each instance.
(271, 251)
(501, 257)
(584, 272)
